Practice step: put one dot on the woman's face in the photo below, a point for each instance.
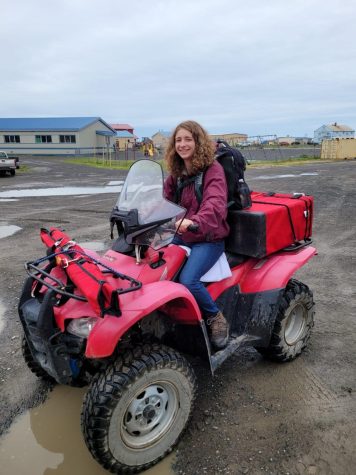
(184, 144)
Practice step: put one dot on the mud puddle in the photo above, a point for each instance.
(290, 175)
(60, 191)
(48, 440)
(8, 230)
(2, 313)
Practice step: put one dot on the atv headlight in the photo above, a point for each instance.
(81, 326)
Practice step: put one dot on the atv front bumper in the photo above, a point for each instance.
(58, 353)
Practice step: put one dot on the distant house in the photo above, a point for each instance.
(55, 135)
(303, 140)
(160, 139)
(123, 127)
(124, 139)
(231, 138)
(333, 131)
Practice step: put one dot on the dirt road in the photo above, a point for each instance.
(254, 416)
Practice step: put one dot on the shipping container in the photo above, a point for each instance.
(338, 149)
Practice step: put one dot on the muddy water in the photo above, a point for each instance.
(60, 191)
(290, 175)
(8, 230)
(47, 440)
(2, 313)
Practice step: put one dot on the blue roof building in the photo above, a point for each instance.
(55, 135)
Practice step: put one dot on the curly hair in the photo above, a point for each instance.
(203, 153)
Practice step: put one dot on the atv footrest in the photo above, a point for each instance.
(220, 356)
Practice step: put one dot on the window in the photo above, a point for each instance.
(12, 138)
(67, 139)
(43, 138)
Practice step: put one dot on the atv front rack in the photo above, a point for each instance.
(42, 276)
(39, 274)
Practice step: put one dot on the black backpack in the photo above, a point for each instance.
(234, 165)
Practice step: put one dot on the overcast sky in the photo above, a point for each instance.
(281, 67)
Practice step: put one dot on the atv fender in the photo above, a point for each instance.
(170, 297)
(274, 272)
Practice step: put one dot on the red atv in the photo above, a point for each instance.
(121, 321)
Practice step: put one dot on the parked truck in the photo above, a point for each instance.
(8, 164)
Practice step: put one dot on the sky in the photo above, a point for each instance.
(282, 67)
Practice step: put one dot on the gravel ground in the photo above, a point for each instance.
(254, 416)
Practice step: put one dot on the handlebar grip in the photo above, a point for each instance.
(193, 228)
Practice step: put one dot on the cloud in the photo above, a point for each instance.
(277, 67)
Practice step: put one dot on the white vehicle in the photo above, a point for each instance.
(244, 144)
(7, 164)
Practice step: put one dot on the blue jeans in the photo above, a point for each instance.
(202, 257)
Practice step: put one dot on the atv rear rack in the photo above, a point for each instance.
(41, 273)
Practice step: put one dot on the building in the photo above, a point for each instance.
(303, 141)
(55, 135)
(285, 140)
(232, 139)
(160, 139)
(333, 131)
(124, 140)
(125, 137)
(123, 127)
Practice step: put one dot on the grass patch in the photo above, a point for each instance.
(284, 162)
(23, 168)
(98, 162)
(101, 163)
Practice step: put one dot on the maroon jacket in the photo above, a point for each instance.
(212, 213)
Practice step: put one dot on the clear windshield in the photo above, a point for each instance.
(143, 190)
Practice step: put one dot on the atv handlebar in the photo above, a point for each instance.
(193, 228)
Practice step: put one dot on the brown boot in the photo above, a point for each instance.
(219, 330)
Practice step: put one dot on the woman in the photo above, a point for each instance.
(190, 151)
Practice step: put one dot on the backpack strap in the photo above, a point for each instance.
(198, 187)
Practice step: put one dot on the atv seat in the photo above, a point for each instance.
(235, 259)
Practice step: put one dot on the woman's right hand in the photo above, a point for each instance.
(182, 225)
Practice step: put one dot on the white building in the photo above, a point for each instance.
(55, 135)
(333, 131)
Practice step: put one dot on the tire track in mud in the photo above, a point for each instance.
(331, 452)
(298, 386)
(314, 391)
(313, 427)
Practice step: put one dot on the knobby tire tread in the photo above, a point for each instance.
(276, 350)
(107, 388)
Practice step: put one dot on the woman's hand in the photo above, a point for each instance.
(183, 224)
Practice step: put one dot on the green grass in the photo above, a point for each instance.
(23, 168)
(100, 163)
(285, 162)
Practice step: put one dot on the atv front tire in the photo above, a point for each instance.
(32, 364)
(135, 412)
(293, 325)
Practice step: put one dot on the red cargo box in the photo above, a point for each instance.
(274, 221)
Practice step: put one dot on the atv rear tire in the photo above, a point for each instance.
(294, 322)
(32, 364)
(135, 412)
